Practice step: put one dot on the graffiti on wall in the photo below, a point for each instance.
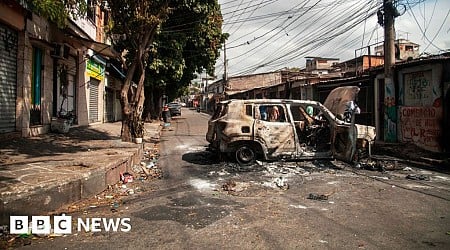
(420, 90)
(421, 116)
(390, 114)
(421, 126)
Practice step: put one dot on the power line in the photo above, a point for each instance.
(314, 42)
(420, 28)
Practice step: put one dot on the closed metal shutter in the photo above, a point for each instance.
(93, 100)
(8, 79)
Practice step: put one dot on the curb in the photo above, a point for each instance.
(43, 200)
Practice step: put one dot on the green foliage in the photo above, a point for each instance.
(185, 38)
(58, 11)
(188, 42)
(131, 19)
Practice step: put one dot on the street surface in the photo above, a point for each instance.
(202, 203)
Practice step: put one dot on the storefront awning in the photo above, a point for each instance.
(99, 48)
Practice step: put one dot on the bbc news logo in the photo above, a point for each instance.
(63, 224)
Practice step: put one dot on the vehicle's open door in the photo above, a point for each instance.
(343, 142)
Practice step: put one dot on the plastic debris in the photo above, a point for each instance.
(126, 177)
(150, 165)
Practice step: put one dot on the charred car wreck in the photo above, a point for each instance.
(274, 129)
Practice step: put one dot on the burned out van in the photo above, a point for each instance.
(271, 129)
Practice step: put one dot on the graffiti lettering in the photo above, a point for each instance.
(420, 125)
(418, 112)
(418, 88)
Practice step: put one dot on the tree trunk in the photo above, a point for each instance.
(133, 101)
(149, 105)
(126, 107)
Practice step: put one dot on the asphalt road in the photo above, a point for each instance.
(202, 203)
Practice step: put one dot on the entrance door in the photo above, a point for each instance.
(36, 87)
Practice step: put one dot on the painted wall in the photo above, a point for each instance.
(421, 126)
(421, 106)
(390, 112)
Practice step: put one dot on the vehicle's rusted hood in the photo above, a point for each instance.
(338, 98)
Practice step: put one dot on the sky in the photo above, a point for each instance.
(268, 35)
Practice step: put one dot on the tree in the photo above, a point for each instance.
(136, 22)
(164, 42)
(59, 11)
(189, 42)
(153, 35)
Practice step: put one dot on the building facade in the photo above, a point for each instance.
(48, 73)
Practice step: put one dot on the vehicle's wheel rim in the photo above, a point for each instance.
(245, 154)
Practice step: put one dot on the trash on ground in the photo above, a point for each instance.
(4, 230)
(281, 183)
(229, 185)
(418, 177)
(126, 177)
(318, 197)
(378, 165)
(380, 177)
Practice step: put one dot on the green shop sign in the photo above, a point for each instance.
(95, 69)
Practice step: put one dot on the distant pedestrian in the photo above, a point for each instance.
(166, 114)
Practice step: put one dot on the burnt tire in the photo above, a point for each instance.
(245, 155)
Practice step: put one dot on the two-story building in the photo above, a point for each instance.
(47, 72)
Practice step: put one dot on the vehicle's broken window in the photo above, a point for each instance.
(271, 113)
(312, 128)
(275, 113)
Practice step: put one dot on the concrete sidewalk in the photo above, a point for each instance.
(40, 174)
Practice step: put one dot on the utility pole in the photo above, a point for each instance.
(390, 109)
(225, 69)
(389, 37)
(225, 63)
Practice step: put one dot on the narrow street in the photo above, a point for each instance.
(203, 203)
